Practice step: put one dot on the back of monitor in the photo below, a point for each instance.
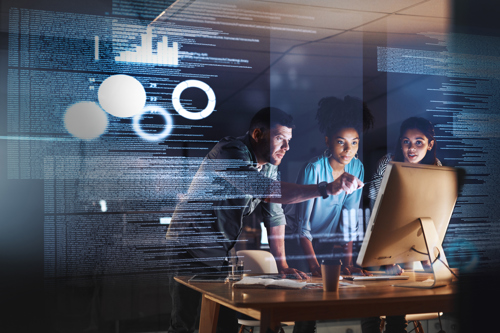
(408, 193)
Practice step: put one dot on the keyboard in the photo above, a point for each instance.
(421, 284)
(374, 277)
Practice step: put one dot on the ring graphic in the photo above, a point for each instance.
(148, 136)
(176, 99)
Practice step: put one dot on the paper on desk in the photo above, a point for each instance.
(252, 282)
(342, 285)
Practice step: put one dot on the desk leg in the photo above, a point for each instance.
(208, 315)
(268, 322)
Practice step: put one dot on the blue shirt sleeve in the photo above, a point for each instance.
(349, 221)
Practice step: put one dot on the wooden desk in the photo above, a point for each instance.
(272, 306)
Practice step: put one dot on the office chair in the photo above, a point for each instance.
(415, 319)
(257, 262)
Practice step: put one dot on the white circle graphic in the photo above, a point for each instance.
(85, 120)
(176, 99)
(122, 96)
(148, 136)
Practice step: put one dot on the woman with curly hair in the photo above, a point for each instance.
(324, 222)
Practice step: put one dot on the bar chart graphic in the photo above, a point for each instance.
(146, 53)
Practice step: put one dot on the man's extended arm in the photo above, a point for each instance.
(294, 193)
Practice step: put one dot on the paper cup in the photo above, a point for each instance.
(331, 275)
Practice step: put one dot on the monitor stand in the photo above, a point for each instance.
(434, 250)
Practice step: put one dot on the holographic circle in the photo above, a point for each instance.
(85, 120)
(148, 136)
(176, 99)
(122, 96)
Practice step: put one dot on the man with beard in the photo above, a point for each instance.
(236, 176)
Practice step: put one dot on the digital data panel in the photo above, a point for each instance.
(115, 112)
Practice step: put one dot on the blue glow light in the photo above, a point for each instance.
(148, 136)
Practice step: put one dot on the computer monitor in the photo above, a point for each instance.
(410, 218)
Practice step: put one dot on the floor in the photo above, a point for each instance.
(352, 326)
(160, 325)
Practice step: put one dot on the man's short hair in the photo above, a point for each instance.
(269, 117)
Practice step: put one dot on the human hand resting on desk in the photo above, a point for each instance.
(394, 270)
(316, 270)
(353, 270)
(345, 182)
(346, 270)
(295, 272)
